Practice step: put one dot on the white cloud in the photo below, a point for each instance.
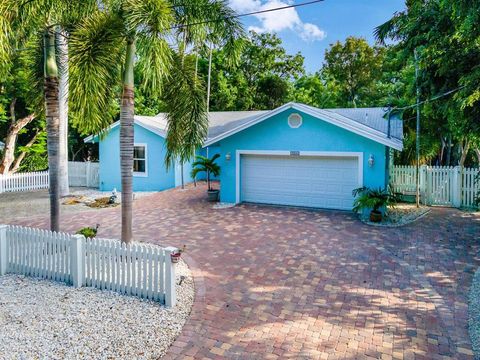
(312, 32)
(242, 6)
(276, 21)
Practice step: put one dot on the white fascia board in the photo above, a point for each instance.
(156, 131)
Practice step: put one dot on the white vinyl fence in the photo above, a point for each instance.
(439, 185)
(83, 173)
(138, 269)
(79, 174)
(24, 181)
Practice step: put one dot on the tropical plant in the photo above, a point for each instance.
(206, 165)
(438, 31)
(32, 27)
(104, 48)
(374, 199)
(89, 232)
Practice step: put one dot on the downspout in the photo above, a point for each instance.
(388, 149)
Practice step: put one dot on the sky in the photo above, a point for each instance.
(312, 28)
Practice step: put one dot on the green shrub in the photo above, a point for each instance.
(375, 199)
(88, 232)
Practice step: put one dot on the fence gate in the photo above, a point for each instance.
(440, 185)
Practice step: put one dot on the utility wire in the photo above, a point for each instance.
(431, 99)
(181, 26)
(247, 14)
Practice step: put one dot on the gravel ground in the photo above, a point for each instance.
(42, 319)
(401, 214)
(474, 314)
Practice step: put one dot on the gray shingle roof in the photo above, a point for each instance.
(376, 118)
(223, 122)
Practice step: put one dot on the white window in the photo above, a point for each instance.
(140, 160)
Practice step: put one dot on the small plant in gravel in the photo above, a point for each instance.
(89, 232)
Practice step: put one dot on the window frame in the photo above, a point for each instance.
(136, 173)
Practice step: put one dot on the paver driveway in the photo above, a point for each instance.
(281, 282)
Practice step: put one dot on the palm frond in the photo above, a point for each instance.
(150, 17)
(154, 62)
(97, 49)
(390, 29)
(184, 97)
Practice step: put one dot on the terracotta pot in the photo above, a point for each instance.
(175, 257)
(213, 195)
(375, 216)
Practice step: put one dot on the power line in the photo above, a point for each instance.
(181, 26)
(431, 99)
(247, 14)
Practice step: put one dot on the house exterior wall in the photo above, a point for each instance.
(157, 178)
(314, 135)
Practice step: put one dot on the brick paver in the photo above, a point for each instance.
(277, 283)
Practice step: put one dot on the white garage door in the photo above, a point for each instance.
(322, 182)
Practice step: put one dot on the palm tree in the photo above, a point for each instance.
(214, 23)
(103, 50)
(31, 27)
(206, 165)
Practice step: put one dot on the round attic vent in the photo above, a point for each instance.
(295, 120)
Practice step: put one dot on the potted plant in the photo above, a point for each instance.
(210, 167)
(176, 255)
(373, 199)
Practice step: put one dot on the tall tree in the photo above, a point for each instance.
(354, 66)
(263, 61)
(445, 35)
(34, 23)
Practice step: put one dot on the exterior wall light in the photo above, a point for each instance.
(228, 156)
(371, 160)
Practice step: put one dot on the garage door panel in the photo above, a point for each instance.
(324, 182)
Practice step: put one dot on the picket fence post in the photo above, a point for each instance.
(3, 250)
(77, 261)
(170, 294)
(457, 186)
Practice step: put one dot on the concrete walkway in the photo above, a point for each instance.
(290, 283)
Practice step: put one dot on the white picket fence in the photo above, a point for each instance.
(439, 185)
(79, 174)
(137, 269)
(83, 173)
(24, 181)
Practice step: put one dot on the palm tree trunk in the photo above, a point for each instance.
(127, 110)
(63, 112)
(53, 126)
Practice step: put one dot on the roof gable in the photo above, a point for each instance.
(155, 124)
(333, 116)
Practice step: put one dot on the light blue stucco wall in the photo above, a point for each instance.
(187, 169)
(158, 178)
(313, 135)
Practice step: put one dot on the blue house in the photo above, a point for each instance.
(294, 155)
